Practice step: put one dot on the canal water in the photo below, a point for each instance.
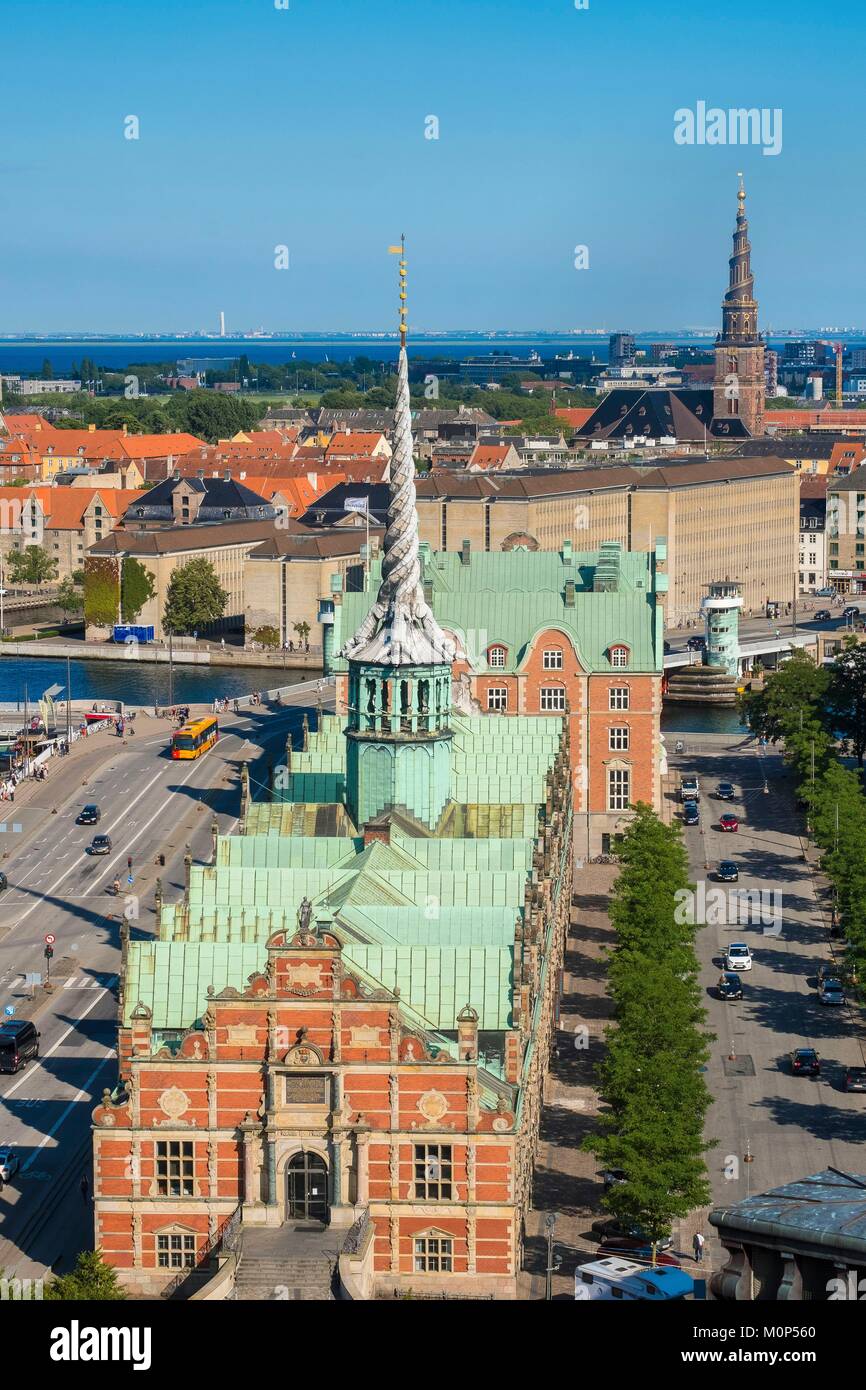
(137, 682)
(701, 719)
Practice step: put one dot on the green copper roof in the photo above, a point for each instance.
(509, 597)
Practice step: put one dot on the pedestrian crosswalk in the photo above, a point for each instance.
(88, 982)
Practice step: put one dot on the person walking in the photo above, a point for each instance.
(698, 1247)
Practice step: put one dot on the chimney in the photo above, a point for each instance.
(566, 552)
(227, 475)
(91, 429)
(467, 1034)
(569, 593)
(200, 473)
(465, 552)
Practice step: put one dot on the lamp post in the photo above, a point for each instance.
(553, 1261)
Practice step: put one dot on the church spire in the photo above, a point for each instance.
(739, 307)
(400, 629)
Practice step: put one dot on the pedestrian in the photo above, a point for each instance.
(698, 1247)
(85, 1189)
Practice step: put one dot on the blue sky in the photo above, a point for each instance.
(306, 127)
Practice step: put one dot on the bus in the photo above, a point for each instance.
(195, 738)
(626, 1280)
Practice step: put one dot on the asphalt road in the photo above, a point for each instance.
(150, 804)
(792, 1125)
(758, 629)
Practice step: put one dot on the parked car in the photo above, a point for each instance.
(805, 1062)
(90, 815)
(729, 821)
(691, 813)
(725, 791)
(4, 882)
(829, 592)
(607, 1228)
(827, 970)
(851, 611)
(730, 985)
(690, 789)
(738, 956)
(637, 1250)
(100, 844)
(831, 992)
(823, 615)
(855, 1079)
(9, 1163)
(696, 644)
(727, 872)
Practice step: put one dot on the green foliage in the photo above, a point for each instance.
(32, 565)
(302, 629)
(70, 596)
(211, 415)
(92, 1280)
(137, 587)
(847, 696)
(651, 1078)
(792, 696)
(101, 590)
(267, 636)
(194, 597)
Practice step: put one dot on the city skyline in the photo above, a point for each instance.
(187, 216)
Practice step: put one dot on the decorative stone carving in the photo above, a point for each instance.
(242, 1035)
(433, 1106)
(173, 1103)
(305, 975)
(365, 1036)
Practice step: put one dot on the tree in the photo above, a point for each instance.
(47, 370)
(194, 597)
(101, 590)
(32, 565)
(136, 588)
(268, 636)
(847, 696)
(92, 1280)
(70, 597)
(303, 631)
(211, 415)
(793, 694)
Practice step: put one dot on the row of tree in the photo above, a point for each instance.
(651, 1077)
(194, 597)
(820, 717)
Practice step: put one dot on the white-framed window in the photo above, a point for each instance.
(619, 657)
(618, 738)
(497, 697)
(496, 658)
(618, 788)
(175, 1250)
(617, 697)
(434, 1255)
(433, 1172)
(174, 1168)
(551, 659)
(552, 698)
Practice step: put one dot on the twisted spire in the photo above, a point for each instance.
(739, 307)
(400, 629)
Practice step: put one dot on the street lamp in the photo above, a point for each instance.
(554, 1262)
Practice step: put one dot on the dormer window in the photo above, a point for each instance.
(496, 657)
(619, 656)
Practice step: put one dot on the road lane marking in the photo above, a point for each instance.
(50, 1053)
(85, 1090)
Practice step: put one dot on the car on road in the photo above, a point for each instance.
(738, 956)
(607, 1229)
(827, 970)
(831, 992)
(691, 813)
(696, 644)
(851, 611)
(690, 789)
(636, 1250)
(855, 1079)
(9, 1163)
(100, 844)
(725, 791)
(729, 821)
(727, 872)
(730, 985)
(805, 1062)
(4, 882)
(19, 1044)
(823, 615)
(829, 592)
(89, 815)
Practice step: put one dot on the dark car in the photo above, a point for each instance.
(696, 644)
(100, 844)
(851, 611)
(805, 1062)
(90, 815)
(730, 985)
(4, 882)
(636, 1250)
(691, 813)
(19, 1044)
(823, 615)
(727, 872)
(725, 791)
(855, 1079)
(609, 1230)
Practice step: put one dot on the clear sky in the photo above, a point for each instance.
(305, 127)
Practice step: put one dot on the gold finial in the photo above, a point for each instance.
(741, 191)
(401, 252)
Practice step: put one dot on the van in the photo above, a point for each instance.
(19, 1044)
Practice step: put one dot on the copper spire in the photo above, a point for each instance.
(739, 307)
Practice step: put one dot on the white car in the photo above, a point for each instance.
(9, 1164)
(738, 956)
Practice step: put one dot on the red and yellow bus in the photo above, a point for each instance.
(195, 738)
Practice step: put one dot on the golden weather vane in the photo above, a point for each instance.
(401, 252)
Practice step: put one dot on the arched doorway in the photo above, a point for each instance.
(306, 1188)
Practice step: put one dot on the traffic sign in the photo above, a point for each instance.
(50, 939)
(9, 1010)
